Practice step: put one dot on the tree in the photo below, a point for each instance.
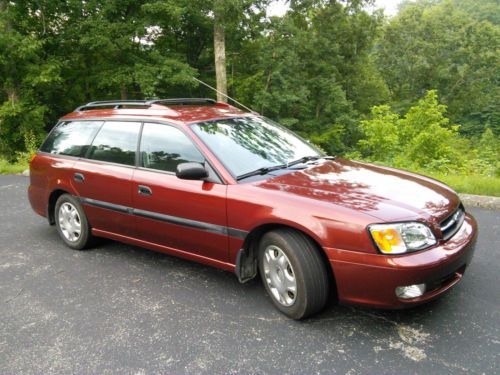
(26, 78)
(311, 70)
(381, 141)
(204, 31)
(329, 70)
(422, 139)
(451, 46)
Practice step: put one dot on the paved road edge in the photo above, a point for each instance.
(482, 201)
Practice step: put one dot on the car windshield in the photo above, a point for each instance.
(246, 144)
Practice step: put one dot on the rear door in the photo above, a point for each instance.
(103, 178)
(180, 214)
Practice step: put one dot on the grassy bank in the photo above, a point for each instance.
(480, 185)
(8, 168)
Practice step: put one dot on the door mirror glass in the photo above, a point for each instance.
(191, 171)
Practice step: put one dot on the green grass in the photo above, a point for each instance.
(479, 185)
(467, 184)
(9, 168)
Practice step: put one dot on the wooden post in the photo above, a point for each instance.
(220, 53)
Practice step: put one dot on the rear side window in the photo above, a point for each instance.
(163, 147)
(71, 138)
(116, 142)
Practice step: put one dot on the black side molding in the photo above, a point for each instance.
(201, 225)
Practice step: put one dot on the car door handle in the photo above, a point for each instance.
(78, 177)
(144, 190)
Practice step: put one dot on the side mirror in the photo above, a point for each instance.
(191, 171)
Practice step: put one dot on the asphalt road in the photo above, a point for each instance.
(119, 309)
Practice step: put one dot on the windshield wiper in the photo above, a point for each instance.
(265, 170)
(302, 160)
(260, 171)
(305, 159)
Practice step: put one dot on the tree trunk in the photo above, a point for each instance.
(220, 56)
(12, 97)
(10, 89)
(123, 92)
(3, 9)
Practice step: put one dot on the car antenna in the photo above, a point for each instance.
(227, 96)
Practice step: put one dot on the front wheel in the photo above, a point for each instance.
(293, 273)
(71, 222)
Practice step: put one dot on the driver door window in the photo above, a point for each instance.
(163, 147)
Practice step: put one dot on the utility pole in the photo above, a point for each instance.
(220, 51)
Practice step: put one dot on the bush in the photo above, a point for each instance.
(22, 128)
(424, 139)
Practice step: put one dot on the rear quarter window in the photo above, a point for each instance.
(71, 138)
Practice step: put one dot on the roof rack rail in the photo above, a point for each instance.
(111, 103)
(144, 103)
(181, 101)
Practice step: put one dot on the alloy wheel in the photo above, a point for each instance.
(279, 275)
(69, 222)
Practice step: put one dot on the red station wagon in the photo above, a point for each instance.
(207, 182)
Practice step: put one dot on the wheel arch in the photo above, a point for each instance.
(53, 197)
(250, 249)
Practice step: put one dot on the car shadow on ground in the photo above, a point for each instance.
(252, 293)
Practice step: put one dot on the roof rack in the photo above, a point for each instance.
(144, 103)
(183, 101)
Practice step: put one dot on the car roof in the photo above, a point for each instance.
(179, 111)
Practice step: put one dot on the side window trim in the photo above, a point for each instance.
(48, 136)
(216, 178)
(114, 121)
(61, 123)
(214, 175)
(87, 153)
(140, 164)
(138, 147)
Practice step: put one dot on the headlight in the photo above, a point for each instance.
(400, 238)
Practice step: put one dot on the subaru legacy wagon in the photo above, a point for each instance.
(210, 183)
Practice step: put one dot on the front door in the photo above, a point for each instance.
(184, 215)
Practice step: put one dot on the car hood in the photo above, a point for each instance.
(386, 194)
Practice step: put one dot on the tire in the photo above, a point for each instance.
(71, 223)
(302, 263)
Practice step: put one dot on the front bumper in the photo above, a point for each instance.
(371, 279)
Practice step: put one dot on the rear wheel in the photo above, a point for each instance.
(71, 222)
(293, 273)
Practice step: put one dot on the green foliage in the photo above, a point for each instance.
(7, 167)
(352, 81)
(20, 121)
(381, 141)
(31, 144)
(427, 140)
(312, 71)
(471, 184)
(423, 139)
(489, 152)
(451, 46)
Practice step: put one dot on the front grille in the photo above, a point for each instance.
(452, 223)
